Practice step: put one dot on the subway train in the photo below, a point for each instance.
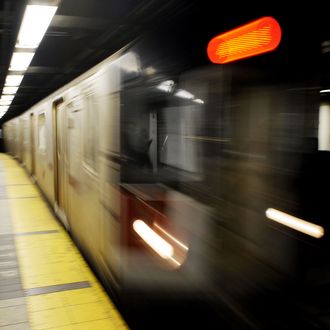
(178, 178)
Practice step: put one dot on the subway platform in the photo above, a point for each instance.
(44, 281)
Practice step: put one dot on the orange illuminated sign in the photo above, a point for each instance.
(257, 37)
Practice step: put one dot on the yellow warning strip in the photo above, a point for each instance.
(48, 259)
(22, 191)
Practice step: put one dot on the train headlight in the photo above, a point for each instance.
(157, 243)
(164, 243)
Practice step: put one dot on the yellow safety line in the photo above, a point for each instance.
(51, 259)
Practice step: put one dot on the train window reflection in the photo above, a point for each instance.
(177, 150)
(90, 144)
(42, 133)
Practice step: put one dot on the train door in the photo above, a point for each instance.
(32, 142)
(110, 169)
(60, 162)
(83, 177)
(20, 145)
(75, 180)
(17, 147)
(25, 143)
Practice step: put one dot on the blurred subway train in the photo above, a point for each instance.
(179, 178)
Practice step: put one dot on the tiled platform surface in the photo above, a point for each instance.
(44, 281)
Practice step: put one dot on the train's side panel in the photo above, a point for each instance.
(108, 86)
(8, 134)
(29, 140)
(19, 142)
(74, 109)
(14, 142)
(60, 128)
(26, 143)
(11, 141)
(93, 129)
(83, 168)
(44, 150)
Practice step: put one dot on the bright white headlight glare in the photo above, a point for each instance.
(157, 243)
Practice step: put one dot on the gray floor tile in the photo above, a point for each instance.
(10, 287)
(8, 274)
(19, 326)
(12, 302)
(13, 315)
(10, 281)
(8, 264)
(11, 294)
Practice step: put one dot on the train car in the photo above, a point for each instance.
(174, 177)
(72, 146)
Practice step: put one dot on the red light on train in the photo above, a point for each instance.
(257, 37)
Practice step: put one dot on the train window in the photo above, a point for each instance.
(90, 132)
(178, 129)
(42, 133)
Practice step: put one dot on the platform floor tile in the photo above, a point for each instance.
(58, 290)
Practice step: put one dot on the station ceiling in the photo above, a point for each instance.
(81, 34)
(84, 32)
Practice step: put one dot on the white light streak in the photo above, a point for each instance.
(172, 237)
(157, 243)
(184, 94)
(295, 223)
(198, 101)
(166, 86)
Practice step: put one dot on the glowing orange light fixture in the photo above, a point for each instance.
(257, 37)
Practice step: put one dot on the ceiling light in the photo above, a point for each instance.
(14, 79)
(5, 102)
(20, 61)
(35, 22)
(7, 97)
(9, 90)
